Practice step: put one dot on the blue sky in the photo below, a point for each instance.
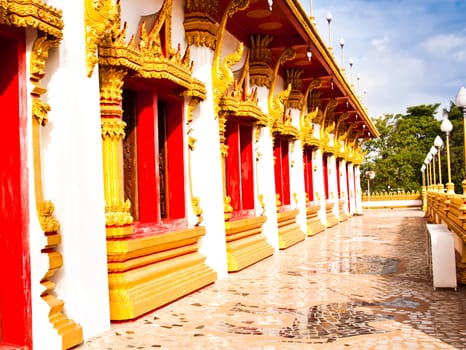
(407, 52)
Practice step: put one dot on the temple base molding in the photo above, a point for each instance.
(331, 218)
(289, 232)
(246, 245)
(314, 225)
(150, 270)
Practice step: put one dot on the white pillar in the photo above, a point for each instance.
(332, 183)
(344, 185)
(319, 187)
(266, 176)
(206, 167)
(358, 192)
(297, 175)
(351, 189)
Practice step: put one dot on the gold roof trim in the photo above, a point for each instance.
(32, 13)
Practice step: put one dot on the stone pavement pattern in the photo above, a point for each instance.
(364, 284)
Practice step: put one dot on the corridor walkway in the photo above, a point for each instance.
(364, 284)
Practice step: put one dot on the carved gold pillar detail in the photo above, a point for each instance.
(117, 210)
(276, 104)
(70, 332)
(306, 119)
(260, 72)
(100, 17)
(293, 78)
(200, 27)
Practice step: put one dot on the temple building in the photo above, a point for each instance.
(152, 147)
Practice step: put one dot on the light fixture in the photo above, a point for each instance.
(329, 20)
(460, 101)
(270, 5)
(309, 53)
(438, 142)
(447, 127)
(433, 152)
(358, 77)
(351, 69)
(342, 45)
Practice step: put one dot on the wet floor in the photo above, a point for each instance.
(364, 284)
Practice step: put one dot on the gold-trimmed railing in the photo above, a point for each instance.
(449, 209)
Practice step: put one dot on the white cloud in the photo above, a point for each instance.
(450, 46)
(380, 44)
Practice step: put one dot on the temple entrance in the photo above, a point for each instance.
(15, 284)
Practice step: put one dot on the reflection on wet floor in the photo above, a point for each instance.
(324, 323)
(364, 284)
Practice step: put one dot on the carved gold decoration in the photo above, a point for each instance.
(118, 217)
(195, 201)
(293, 78)
(199, 25)
(222, 76)
(327, 125)
(340, 135)
(260, 58)
(227, 208)
(100, 17)
(70, 332)
(278, 203)
(32, 13)
(306, 119)
(279, 122)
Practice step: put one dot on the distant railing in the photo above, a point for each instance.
(392, 196)
(450, 210)
(399, 199)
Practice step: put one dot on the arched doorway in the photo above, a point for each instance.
(15, 281)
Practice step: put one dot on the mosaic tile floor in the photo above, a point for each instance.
(364, 284)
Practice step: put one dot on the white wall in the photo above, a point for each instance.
(266, 174)
(206, 162)
(73, 176)
(297, 175)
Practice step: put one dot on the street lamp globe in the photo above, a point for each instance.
(438, 142)
(460, 99)
(446, 126)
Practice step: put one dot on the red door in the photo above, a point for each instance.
(15, 283)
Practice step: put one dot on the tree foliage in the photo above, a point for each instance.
(405, 139)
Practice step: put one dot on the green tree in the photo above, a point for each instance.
(398, 154)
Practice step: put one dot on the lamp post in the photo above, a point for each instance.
(329, 20)
(342, 46)
(369, 176)
(460, 102)
(438, 142)
(429, 169)
(433, 152)
(358, 77)
(447, 127)
(351, 62)
(423, 189)
(426, 163)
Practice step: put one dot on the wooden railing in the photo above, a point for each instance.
(450, 210)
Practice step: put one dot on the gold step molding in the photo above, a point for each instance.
(149, 271)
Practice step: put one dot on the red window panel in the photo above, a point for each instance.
(338, 178)
(239, 166)
(154, 156)
(308, 173)
(282, 169)
(325, 169)
(15, 283)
